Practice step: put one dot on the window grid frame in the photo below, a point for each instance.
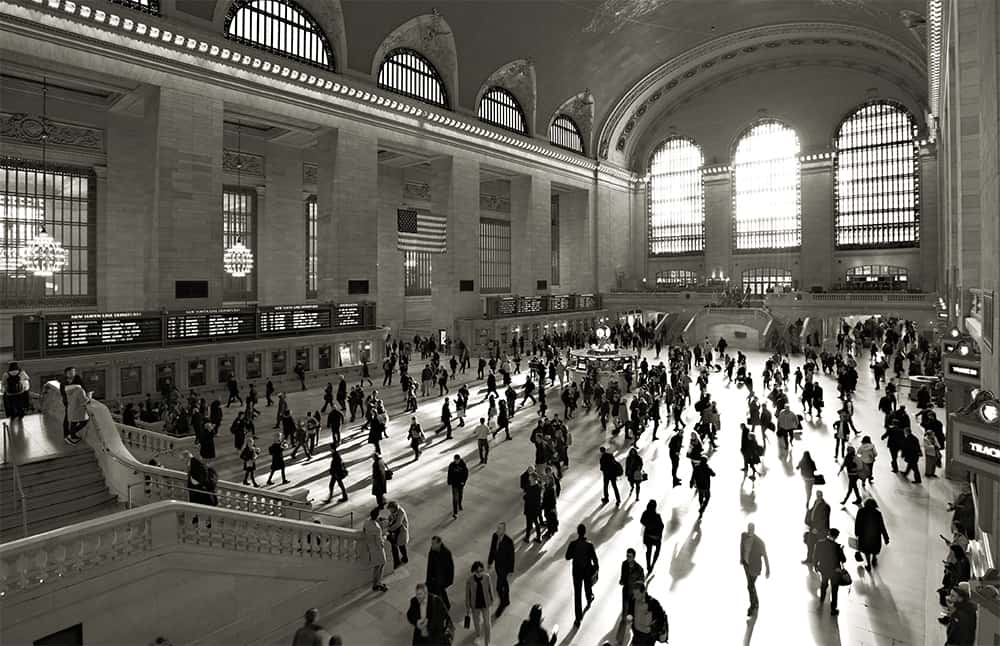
(146, 6)
(877, 156)
(676, 278)
(494, 256)
(496, 112)
(240, 223)
(312, 247)
(291, 34)
(692, 230)
(430, 77)
(77, 233)
(554, 236)
(564, 133)
(418, 273)
(762, 237)
(759, 277)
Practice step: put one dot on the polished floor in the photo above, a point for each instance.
(698, 578)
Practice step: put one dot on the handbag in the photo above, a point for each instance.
(388, 473)
(844, 577)
(467, 622)
(819, 479)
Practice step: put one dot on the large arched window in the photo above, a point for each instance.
(676, 199)
(766, 279)
(279, 26)
(407, 72)
(766, 186)
(877, 181)
(500, 108)
(564, 133)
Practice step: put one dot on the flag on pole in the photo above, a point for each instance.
(420, 230)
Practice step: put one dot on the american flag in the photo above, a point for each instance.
(419, 230)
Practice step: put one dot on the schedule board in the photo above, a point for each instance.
(294, 319)
(348, 315)
(76, 333)
(211, 324)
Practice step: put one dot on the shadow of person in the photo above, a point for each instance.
(682, 558)
(748, 634)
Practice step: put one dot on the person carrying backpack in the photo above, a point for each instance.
(16, 396)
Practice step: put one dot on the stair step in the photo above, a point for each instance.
(56, 474)
(14, 531)
(58, 488)
(81, 456)
(60, 510)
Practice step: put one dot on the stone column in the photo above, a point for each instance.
(817, 226)
(281, 229)
(454, 188)
(576, 258)
(390, 300)
(719, 226)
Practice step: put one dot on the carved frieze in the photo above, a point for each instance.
(244, 163)
(29, 128)
(310, 174)
(498, 203)
(417, 191)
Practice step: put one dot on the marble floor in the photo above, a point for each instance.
(698, 578)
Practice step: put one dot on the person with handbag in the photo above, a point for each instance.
(585, 570)
(829, 559)
(633, 467)
(611, 470)
(398, 532)
(818, 522)
(648, 619)
(852, 466)
(479, 600)
(249, 455)
(432, 625)
(869, 528)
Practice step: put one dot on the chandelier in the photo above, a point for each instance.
(237, 260)
(43, 255)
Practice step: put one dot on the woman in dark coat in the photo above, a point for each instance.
(532, 633)
(379, 480)
(869, 527)
(652, 534)
(239, 432)
(205, 435)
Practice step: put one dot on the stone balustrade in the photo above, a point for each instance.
(148, 441)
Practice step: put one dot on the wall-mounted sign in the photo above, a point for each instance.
(963, 371)
(981, 449)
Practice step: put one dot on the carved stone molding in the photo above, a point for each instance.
(497, 203)
(244, 163)
(28, 128)
(417, 191)
(310, 174)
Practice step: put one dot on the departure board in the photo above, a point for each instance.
(507, 306)
(211, 324)
(99, 331)
(292, 319)
(530, 305)
(559, 303)
(348, 315)
(585, 301)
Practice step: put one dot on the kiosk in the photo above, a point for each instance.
(604, 356)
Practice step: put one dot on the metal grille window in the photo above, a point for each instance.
(676, 278)
(407, 72)
(676, 199)
(767, 184)
(239, 213)
(759, 281)
(564, 133)
(312, 247)
(877, 178)
(417, 271)
(555, 240)
(500, 108)
(279, 26)
(494, 256)
(149, 6)
(63, 200)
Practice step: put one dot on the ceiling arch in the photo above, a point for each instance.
(793, 43)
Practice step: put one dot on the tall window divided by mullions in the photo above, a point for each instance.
(312, 247)
(564, 133)
(494, 256)
(676, 200)
(877, 179)
(409, 73)
(239, 213)
(499, 107)
(417, 273)
(766, 188)
(281, 27)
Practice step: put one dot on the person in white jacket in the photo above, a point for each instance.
(76, 410)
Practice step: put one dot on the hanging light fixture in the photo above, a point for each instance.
(43, 255)
(237, 260)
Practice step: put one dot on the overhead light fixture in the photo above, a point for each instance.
(237, 260)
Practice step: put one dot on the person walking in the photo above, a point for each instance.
(869, 528)
(429, 618)
(818, 524)
(674, 446)
(633, 468)
(911, 453)
(631, 574)
(440, 570)
(532, 633)
(249, 455)
(277, 452)
(830, 559)
(375, 541)
(753, 552)
(850, 464)
(380, 479)
(611, 470)
(445, 419)
(478, 600)
(501, 557)
(397, 530)
(648, 619)
(866, 455)
(483, 440)
(338, 471)
(458, 475)
(702, 480)
(532, 506)
(585, 570)
(652, 534)
(807, 469)
(415, 435)
(310, 633)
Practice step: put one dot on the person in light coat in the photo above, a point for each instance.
(374, 537)
(398, 532)
(479, 600)
(76, 409)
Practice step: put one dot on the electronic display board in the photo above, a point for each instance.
(559, 303)
(211, 324)
(291, 319)
(76, 333)
(530, 305)
(507, 306)
(348, 315)
(585, 301)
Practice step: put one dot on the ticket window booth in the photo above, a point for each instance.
(974, 453)
(961, 373)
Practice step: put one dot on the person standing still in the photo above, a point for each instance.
(398, 533)
(752, 553)
(458, 475)
(440, 570)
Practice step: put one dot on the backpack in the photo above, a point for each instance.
(13, 385)
(619, 469)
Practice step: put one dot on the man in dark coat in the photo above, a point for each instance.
(440, 570)
(458, 475)
(752, 553)
(818, 522)
(961, 630)
(585, 568)
(829, 555)
(429, 617)
(894, 440)
(674, 445)
(502, 559)
(611, 470)
(911, 452)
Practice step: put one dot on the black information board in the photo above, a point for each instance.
(507, 306)
(212, 324)
(78, 333)
(530, 305)
(348, 315)
(294, 319)
(585, 301)
(559, 303)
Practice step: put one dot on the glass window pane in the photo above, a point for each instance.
(279, 26)
(676, 199)
(766, 188)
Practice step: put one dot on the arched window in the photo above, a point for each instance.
(149, 6)
(407, 72)
(766, 186)
(279, 26)
(676, 199)
(764, 279)
(564, 133)
(500, 108)
(877, 179)
(676, 278)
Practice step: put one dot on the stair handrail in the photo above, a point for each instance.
(8, 444)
